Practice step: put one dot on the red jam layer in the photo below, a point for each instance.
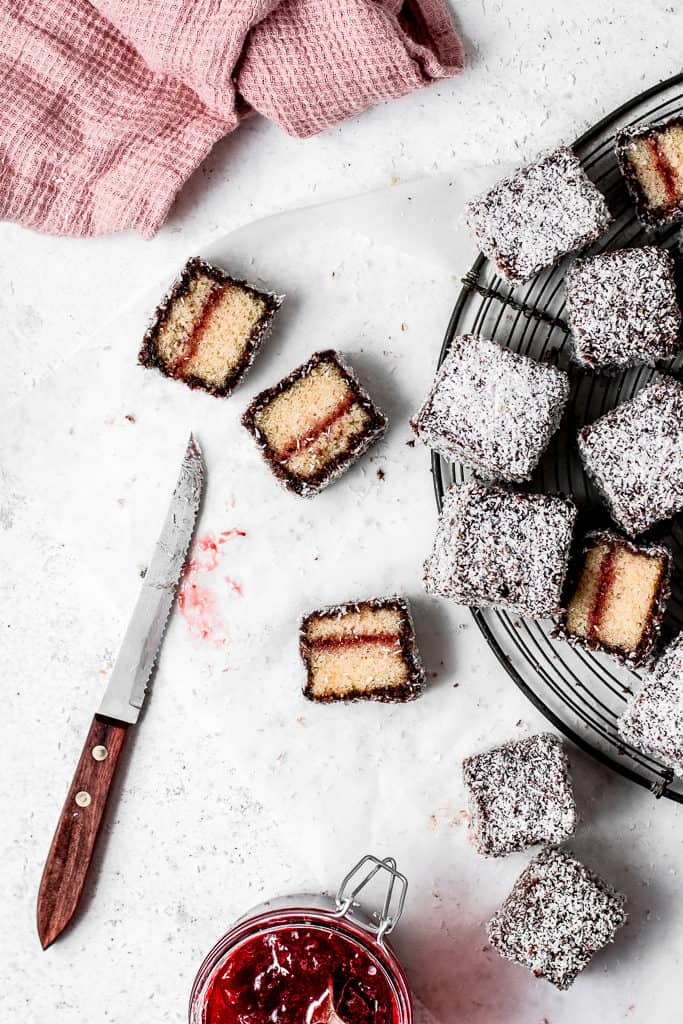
(300, 976)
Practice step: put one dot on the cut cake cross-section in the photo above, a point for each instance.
(651, 159)
(208, 329)
(364, 650)
(314, 424)
(619, 600)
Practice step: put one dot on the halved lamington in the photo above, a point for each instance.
(543, 211)
(492, 409)
(314, 424)
(619, 599)
(361, 651)
(556, 918)
(634, 455)
(207, 331)
(623, 308)
(497, 547)
(651, 159)
(653, 719)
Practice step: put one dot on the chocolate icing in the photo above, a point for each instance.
(646, 213)
(642, 654)
(415, 682)
(520, 794)
(496, 547)
(536, 216)
(623, 309)
(311, 485)
(634, 455)
(492, 409)
(653, 719)
(149, 355)
(557, 916)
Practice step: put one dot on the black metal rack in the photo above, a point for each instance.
(582, 694)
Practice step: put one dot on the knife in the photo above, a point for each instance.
(72, 847)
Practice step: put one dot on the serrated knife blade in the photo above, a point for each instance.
(127, 687)
(74, 840)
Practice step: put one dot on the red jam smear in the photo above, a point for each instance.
(300, 976)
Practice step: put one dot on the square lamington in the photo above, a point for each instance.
(653, 719)
(542, 212)
(495, 547)
(618, 603)
(520, 794)
(634, 455)
(208, 330)
(314, 424)
(492, 409)
(651, 159)
(363, 650)
(558, 915)
(623, 308)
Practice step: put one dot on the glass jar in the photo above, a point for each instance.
(310, 960)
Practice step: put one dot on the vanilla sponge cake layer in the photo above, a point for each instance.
(226, 325)
(617, 591)
(366, 621)
(207, 331)
(331, 443)
(314, 424)
(314, 421)
(361, 668)
(364, 650)
(658, 163)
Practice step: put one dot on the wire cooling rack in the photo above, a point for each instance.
(581, 693)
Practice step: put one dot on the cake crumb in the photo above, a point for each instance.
(393, 180)
(129, 416)
(143, 572)
(404, 326)
(380, 474)
(411, 443)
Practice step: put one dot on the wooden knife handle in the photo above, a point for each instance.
(74, 841)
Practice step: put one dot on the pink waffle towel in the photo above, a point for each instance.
(107, 106)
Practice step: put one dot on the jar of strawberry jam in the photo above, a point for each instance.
(310, 960)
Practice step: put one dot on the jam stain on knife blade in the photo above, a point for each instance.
(300, 976)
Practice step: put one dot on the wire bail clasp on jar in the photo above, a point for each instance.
(383, 923)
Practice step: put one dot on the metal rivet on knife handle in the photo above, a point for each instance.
(99, 753)
(83, 798)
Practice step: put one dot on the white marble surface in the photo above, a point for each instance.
(234, 788)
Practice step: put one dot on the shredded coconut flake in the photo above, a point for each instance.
(635, 456)
(492, 409)
(544, 211)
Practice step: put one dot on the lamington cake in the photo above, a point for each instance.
(207, 331)
(623, 309)
(558, 915)
(634, 455)
(492, 409)
(542, 212)
(651, 159)
(520, 794)
(653, 718)
(495, 547)
(314, 424)
(361, 651)
(619, 600)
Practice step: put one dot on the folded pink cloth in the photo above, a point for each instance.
(107, 107)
